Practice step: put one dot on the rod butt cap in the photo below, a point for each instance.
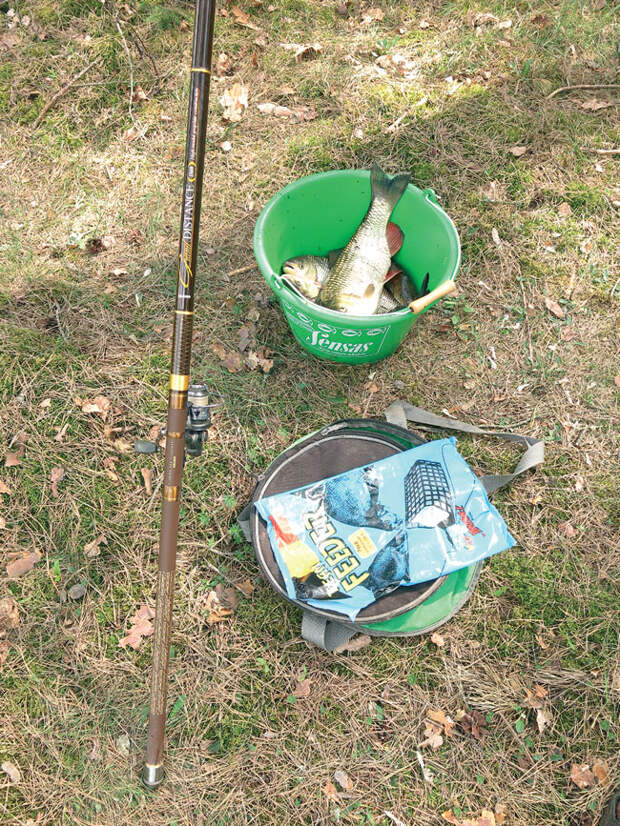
(152, 776)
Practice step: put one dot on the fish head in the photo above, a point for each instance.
(304, 274)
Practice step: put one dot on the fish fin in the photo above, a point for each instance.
(392, 273)
(387, 187)
(395, 237)
(332, 256)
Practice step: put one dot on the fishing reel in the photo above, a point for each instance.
(196, 425)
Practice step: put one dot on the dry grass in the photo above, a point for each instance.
(545, 613)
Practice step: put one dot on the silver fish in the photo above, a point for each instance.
(356, 280)
(307, 272)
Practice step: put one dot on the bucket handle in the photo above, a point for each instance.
(421, 303)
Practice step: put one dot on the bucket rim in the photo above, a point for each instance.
(276, 283)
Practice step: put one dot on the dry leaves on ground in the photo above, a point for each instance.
(147, 476)
(231, 360)
(223, 65)
(141, 626)
(259, 359)
(438, 640)
(373, 15)
(359, 641)
(11, 771)
(242, 18)
(343, 780)
(100, 405)
(5, 488)
(302, 689)
(9, 615)
(12, 460)
(303, 51)
(581, 775)
(57, 474)
(91, 550)
(330, 792)
(486, 818)
(234, 102)
(220, 603)
(518, 151)
(23, 564)
(472, 722)
(297, 113)
(553, 307)
(594, 105)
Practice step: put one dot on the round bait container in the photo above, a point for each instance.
(320, 213)
(345, 445)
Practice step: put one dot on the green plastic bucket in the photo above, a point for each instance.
(320, 213)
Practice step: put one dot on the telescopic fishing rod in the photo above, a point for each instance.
(187, 422)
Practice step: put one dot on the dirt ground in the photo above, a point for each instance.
(510, 113)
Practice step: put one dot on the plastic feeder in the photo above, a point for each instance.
(320, 213)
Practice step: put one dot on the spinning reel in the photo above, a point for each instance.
(196, 426)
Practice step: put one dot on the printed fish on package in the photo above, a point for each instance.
(346, 541)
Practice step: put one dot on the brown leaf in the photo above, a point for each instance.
(141, 626)
(297, 113)
(220, 603)
(564, 209)
(91, 550)
(500, 814)
(12, 460)
(432, 733)
(343, 780)
(23, 564)
(567, 529)
(540, 20)
(373, 14)
(438, 640)
(302, 689)
(223, 65)
(100, 405)
(130, 134)
(4, 651)
(5, 488)
(443, 719)
(2, 523)
(259, 359)
(234, 102)
(139, 94)
(231, 360)
(581, 775)
(472, 723)
(12, 771)
(329, 790)
(303, 51)
(246, 587)
(56, 475)
(359, 641)
(517, 151)
(593, 105)
(9, 614)
(544, 718)
(553, 307)
(617, 380)
(147, 475)
(600, 769)
(243, 19)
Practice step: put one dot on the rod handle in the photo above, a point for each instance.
(419, 304)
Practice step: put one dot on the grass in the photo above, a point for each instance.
(239, 750)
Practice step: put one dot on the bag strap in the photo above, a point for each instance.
(325, 633)
(400, 412)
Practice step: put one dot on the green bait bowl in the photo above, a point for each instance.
(319, 213)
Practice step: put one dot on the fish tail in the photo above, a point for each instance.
(387, 187)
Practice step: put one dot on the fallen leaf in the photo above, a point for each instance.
(438, 640)
(443, 719)
(500, 814)
(567, 529)
(5, 488)
(297, 113)
(517, 151)
(432, 733)
(46, 403)
(495, 236)
(564, 209)
(424, 24)
(302, 689)
(226, 146)
(426, 773)
(139, 94)
(95, 753)
(231, 360)
(4, 651)
(130, 134)
(223, 65)
(593, 105)
(373, 14)
(303, 51)
(553, 307)
(580, 483)
(23, 564)
(581, 775)
(540, 20)
(259, 359)
(123, 744)
(544, 718)
(9, 614)
(12, 460)
(77, 591)
(473, 723)
(329, 790)
(600, 769)
(147, 475)
(246, 587)
(243, 19)
(56, 475)
(504, 24)
(91, 550)
(141, 626)
(100, 405)
(2, 523)
(234, 102)
(481, 18)
(343, 780)
(220, 603)
(359, 641)
(12, 771)
(617, 380)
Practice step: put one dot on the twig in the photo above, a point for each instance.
(601, 151)
(241, 270)
(527, 323)
(583, 86)
(129, 60)
(62, 91)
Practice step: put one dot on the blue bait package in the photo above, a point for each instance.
(343, 542)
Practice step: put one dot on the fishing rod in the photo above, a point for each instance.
(188, 405)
